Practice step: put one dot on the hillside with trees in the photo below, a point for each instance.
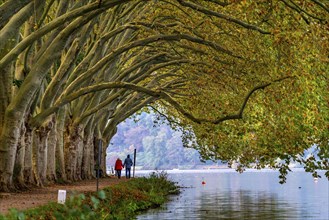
(158, 146)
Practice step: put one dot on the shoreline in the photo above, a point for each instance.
(110, 202)
(214, 170)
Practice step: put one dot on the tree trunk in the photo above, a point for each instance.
(19, 163)
(88, 158)
(51, 163)
(42, 155)
(73, 139)
(103, 158)
(23, 142)
(28, 167)
(36, 142)
(60, 163)
(95, 155)
(8, 148)
(9, 126)
(5, 94)
(80, 147)
(40, 149)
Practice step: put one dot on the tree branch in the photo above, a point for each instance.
(221, 119)
(9, 8)
(321, 5)
(116, 52)
(299, 10)
(223, 16)
(67, 17)
(37, 120)
(221, 3)
(165, 116)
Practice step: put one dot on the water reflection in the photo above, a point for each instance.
(251, 195)
(243, 205)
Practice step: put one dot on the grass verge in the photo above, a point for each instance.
(120, 201)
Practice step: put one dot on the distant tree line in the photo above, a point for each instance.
(158, 145)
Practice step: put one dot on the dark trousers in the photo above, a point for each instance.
(128, 173)
(118, 173)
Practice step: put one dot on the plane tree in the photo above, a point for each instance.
(229, 71)
(39, 61)
(277, 96)
(73, 83)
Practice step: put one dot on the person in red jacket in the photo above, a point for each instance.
(118, 167)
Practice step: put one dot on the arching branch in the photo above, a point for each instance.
(321, 5)
(223, 16)
(221, 119)
(56, 23)
(9, 8)
(301, 11)
(155, 93)
(90, 89)
(143, 42)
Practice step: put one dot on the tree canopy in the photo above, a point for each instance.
(246, 80)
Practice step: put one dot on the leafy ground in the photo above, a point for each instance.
(41, 196)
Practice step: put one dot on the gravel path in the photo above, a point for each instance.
(41, 196)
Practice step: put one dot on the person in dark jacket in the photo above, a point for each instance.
(127, 164)
(118, 167)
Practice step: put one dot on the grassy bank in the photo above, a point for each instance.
(120, 201)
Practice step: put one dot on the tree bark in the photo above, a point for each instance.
(19, 162)
(40, 145)
(87, 160)
(8, 148)
(60, 125)
(80, 148)
(9, 8)
(73, 139)
(51, 163)
(28, 167)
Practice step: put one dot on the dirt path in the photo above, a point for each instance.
(41, 196)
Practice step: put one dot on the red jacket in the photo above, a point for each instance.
(118, 165)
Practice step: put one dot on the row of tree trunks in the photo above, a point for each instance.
(51, 153)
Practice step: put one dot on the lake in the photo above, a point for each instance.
(227, 194)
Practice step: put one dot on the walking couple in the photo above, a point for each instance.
(127, 164)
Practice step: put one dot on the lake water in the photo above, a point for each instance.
(250, 195)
